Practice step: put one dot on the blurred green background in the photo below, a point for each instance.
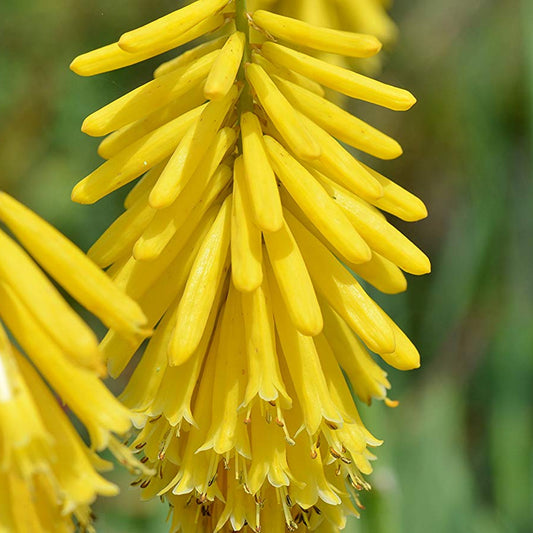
(458, 451)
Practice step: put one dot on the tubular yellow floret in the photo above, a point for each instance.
(117, 141)
(149, 97)
(340, 79)
(190, 151)
(38, 294)
(282, 114)
(318, 206)
(246, 247)
(224, 70)
(287, 264)
(153, 35)
(310, 36)
(190, 55)
(339, 123)
(69, 266)
(259, 176)
(134, 160)
(112, 57)
(206, 275)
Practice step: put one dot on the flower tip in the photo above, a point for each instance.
(79, 67)
(128, 42)
(90, 127)
(78, 194)
(372, 46)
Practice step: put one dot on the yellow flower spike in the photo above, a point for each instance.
(190, 55)
(224, 70)
(248, 410)
(264, 375)
(300, 298)
(315, 37)
(112, 57)
(343, 292)
(246, 243)
(339, 123)
(68, 265)
(206, 275)
(208, 181)
(318, 206)
(146, 99)
(190, 152)
(155, 34)
(75, 385)
(259, 176)
(133, 161)
(340, 79)
(47, 307)
(282, 114)
(117, 141)
(120, 237)
(378, 233)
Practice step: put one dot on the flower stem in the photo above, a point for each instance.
(242, 25)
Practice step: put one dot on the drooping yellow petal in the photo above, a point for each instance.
(224, 70)
(377, 232)
(293, 281)
(264, 375)
(343, 292)
(32, 287)
(319, 38)
(338, 122)
(134, 160)
(112, 57)
(117, 141)
(304, 367)
(151, 96)
(70, 267)
(317, 205)
(340, 79)
(153, 35)
(206, 275)
(246, 243)
(282, 114)
(190, 55)
(190, 152)
(259, 176)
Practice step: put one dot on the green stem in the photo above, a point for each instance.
(241, 22)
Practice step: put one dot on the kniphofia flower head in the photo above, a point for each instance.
(244, 242)
(47, 472)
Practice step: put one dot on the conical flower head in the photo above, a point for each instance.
(244, 241)
(48, 475)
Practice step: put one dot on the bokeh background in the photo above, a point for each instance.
(458, 450)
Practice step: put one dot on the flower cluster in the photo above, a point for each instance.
(47, 473)
(240, 242)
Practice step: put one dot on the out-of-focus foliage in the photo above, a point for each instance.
(458, 450)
